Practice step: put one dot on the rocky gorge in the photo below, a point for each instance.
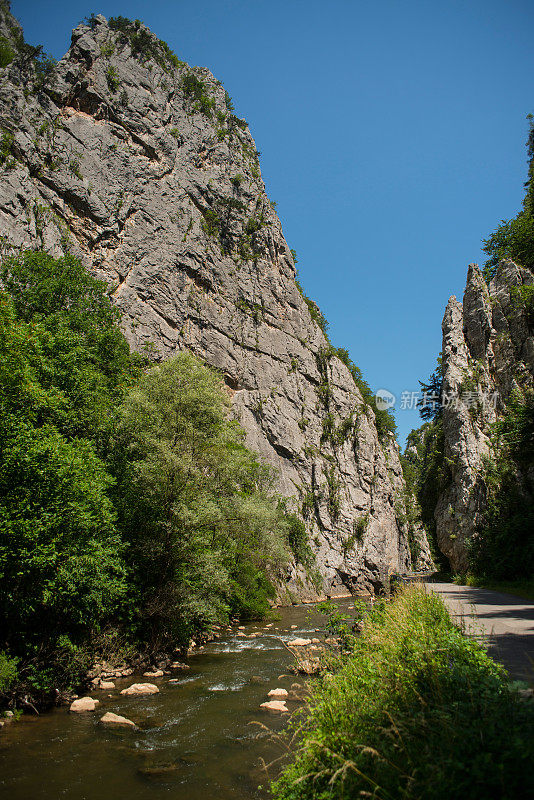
(488, 354)
(135, 162)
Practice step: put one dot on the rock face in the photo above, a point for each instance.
(135, 163)
(488, 350)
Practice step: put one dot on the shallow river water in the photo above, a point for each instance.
(197, 740)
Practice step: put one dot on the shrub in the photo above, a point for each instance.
(8, 672)
(7, 54)
(144, 45)
(112, 78)
(503, 547)
(514, 238)
(7, 159)
(195, 90)
(417, 709)
(524, 295)
(297, 539)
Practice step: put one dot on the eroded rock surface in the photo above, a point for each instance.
(135, 163)
(488, 350)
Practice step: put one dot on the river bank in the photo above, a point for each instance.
(416, 709)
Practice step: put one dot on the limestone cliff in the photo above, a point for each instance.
(488, 350)
(134, 162)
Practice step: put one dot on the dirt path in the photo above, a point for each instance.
(504, 621)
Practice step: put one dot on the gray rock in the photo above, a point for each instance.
(116, 163)
(487, 345)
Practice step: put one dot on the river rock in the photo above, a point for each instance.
(157, 673)
(83, 704)
(140, 689)
(115, 720)
(179, 665)
(299, 642)
(279, 694)
(278, 706)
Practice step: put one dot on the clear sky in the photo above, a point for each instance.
(392, 136)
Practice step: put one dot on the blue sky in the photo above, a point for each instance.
(392, 138)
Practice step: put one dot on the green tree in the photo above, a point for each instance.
(194, 503)
(514, 238)
(64, 366)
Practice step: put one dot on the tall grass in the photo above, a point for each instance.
(417, 710)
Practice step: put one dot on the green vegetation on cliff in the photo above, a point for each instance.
(504, 546)
(417, 709)
(514, 238)
(128, 500)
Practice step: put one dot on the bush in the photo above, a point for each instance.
(7, 54)
(503, 547)
(416, 710)
(144, 45)
(112, 78)
(514, 238)
(8, 672)
(195, 90)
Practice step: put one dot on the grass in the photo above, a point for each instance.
(416, 710)
(522, 588)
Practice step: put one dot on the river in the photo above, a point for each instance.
(198, 739)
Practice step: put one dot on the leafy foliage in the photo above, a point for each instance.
(63, 362)
(128, 500)
(427, 474)
(514, 238)
(196, 91)
(144, 45)
(7, 54)
(503, 547)
(8, 672)
(194, 503)
(430, 403)
(417, 709)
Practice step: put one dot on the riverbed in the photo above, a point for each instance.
(198, 739)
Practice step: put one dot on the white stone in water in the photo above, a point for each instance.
(106, 685)
(280, 694)
(275, 705)
(140, 689)
(157, 673)
(83, 704)
(116, 720)
(299, 642)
